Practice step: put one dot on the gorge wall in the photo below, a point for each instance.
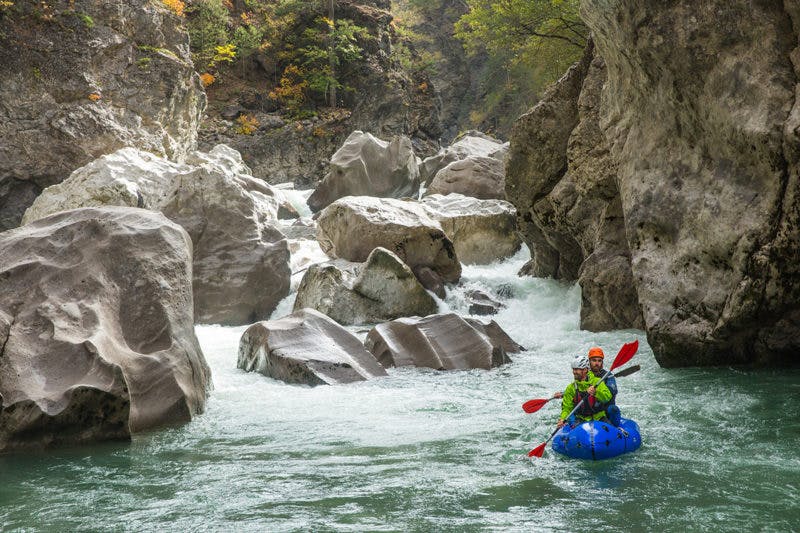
(662, 173)
(80, 79)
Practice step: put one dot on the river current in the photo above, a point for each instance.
(437, 451)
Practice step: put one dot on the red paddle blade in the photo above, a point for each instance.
(625, 354)
(538, 451)
(531, 406)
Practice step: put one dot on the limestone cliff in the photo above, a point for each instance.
(697, 138)
(79, 79)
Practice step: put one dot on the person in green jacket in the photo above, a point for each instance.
(587, 387)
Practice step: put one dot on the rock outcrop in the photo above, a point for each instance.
(442, 342)
(306, 348)
(84, 80)
(699, 138)
(352, 227)
(368, 166)
(471, 144)
(241, 261)
(96, 333)
(479, 177)
(382, 288)
(482, 231)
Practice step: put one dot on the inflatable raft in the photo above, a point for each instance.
(597, 440)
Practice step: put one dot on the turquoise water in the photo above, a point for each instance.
(428, 451)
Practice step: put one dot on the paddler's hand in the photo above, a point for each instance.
(558, 395)
(561, 424)
(591, 390)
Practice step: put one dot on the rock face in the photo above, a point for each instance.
(443, 342)
(81, 81)
(367, 166)
(482, 231)
(479, 177)
(241, 262)
(96, 332)
(352, 227)
(383, 288)
(701, 136)
(306, 348)
(563, 182)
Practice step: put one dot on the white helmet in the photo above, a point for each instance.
(580, 361)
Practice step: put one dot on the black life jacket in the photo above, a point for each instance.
(590, 406)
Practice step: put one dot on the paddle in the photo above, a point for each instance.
(531, 406)
(625, 354)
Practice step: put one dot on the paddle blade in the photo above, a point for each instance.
(625, 354)
(531, 406)
(538, 451)
(627, 372)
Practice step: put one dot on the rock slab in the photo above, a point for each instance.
(442, 342)
(306, 348)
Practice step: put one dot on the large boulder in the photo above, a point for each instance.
(471, 144)
(241, 261)
(479, 177)
(482, 231)
(443, 342)
(81, 80)
(96, 332)
(352, 227)
(368, 166)
(382, 288)
(306, 348)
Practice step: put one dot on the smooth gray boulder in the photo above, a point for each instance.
(96, 333)
(442, 342)
(476, 176)
(368, 166)
(306, 348)
(471, 144)
(241, 261)
(96, 77)
(382, 288)
(482, 231)
(352, 227)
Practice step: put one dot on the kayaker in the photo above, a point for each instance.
(586, 386)
(596, 356)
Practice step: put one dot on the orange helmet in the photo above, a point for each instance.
(596, 352)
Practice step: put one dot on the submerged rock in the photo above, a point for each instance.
(306, 348)
(442, 342)
(482, 231)
(382, 288)
(84, 80)
(352, 227)
(481, 303)
(241, 261)
(368, 166)
(96, 333)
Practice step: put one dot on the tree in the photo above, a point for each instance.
(529, 43)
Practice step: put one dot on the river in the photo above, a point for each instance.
(434, 451)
